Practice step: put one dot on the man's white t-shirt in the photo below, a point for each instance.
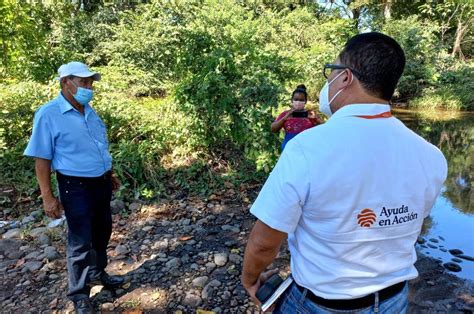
(352, 195)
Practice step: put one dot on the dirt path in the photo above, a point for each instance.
(176, 255)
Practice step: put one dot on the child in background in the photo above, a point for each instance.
(297, 119)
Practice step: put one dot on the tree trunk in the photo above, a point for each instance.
(356, 16)
(387, 10)
(460, 32)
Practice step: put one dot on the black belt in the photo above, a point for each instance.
(104, 177)
(354, 304)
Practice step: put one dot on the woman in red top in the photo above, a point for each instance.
(297, 119)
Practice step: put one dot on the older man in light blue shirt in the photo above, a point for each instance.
(69, 138)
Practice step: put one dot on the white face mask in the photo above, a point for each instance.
(298, 104)
(324, 102)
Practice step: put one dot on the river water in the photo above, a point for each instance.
(451, 223)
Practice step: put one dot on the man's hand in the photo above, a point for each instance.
(253, 288)
(115, 182)
(52, 207)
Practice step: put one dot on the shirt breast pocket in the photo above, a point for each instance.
(100, 131)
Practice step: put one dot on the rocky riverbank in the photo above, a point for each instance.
(177, 255)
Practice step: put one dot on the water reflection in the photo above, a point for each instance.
(451, 222)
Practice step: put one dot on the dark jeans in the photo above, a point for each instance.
(295, 301)
(86, 204)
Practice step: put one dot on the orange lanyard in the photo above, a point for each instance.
(387, 114)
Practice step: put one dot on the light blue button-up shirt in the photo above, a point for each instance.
(76, 144)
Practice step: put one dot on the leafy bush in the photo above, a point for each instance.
(418, 40)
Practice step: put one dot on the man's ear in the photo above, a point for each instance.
(62, 81)
(348, 78)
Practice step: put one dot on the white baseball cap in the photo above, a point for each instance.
(78, 69)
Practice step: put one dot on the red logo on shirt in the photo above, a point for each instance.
(366, 218)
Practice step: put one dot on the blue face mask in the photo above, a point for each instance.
(83, 95)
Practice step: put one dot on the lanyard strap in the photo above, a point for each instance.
(382, 115)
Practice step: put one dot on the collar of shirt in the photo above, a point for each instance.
(65, 105)
(360, 110)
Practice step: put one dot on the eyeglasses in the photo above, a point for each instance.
(332, 67)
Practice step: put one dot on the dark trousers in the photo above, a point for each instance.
(86, 204)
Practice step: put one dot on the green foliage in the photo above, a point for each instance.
(452, 90)
(419, 42)
(190, 88)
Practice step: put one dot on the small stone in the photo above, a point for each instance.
(134, 206)
(466, 257)
(107, 306)
(121, 249)
(192, 300)
(431, 283)
(443, 249)
(147, 228)
(117, 206)
(420, 240)
(432, 246)
(456, 252)
(441, 238)
(220, 259)
(51, 253)
(230, 228)
(161, 245)
(210, 267)
(53, 277)
(235, 258)
(200, 281)
(434, 240)
(38, 231)
(36, 213)
(9, 245)
(452, 267)
(32, 266)
(44, 239)
(456, 260)
(16, 254)
(12, 233)
(32, 255)
(215, 283)
(427, 304)
(173, 263)
(207, 291)
(185, 221)
(28, 219)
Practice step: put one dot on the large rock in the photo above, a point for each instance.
(12, 233)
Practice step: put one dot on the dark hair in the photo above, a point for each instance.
(300, 89)
(378, 59)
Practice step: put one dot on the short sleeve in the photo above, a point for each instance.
(280, 202)
(41, 141)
